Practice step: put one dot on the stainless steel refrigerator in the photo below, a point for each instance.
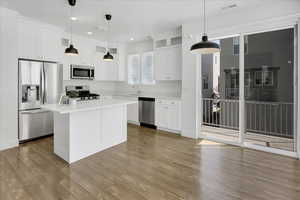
(39, 83)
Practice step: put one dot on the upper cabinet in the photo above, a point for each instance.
(106, 70)
(110, 70)
(167, 63)
(38, 42)
(168, 59)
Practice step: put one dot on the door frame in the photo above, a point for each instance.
(242, 127)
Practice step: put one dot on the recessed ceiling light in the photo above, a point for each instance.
(90, 33)
(73, 18)
(131, 39)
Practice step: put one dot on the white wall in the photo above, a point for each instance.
(8, 79)
(239, 21)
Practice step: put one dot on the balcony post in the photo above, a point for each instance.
(242, 115)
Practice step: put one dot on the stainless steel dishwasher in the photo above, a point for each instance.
(147, 112)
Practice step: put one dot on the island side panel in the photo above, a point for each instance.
(61, 135)
(113, 126)
(85, 134)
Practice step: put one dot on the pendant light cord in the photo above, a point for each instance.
(108, 32)
(204, 18)
(71, 23)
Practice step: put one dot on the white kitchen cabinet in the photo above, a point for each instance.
(51, 47)
(133, 113)
(29, 40)
(38, 42)
(174, 122)
(161, 115)
(168, 114)
(106, 70)
(167, 63)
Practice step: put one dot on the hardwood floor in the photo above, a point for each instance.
(151, 165)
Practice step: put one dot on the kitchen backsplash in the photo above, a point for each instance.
(99, 87)
(160, 88)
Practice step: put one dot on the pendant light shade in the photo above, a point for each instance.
(205, 46)
(71, 51)
(108, 57)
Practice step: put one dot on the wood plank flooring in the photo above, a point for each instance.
(150, 165)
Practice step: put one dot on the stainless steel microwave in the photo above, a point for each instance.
(82, 72)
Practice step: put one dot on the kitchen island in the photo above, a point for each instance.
(86, 128)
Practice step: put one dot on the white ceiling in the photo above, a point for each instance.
(130, 18)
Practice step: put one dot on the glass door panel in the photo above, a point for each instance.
(220, 92)
(269, 89)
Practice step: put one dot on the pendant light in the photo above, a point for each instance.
(108, 56)
(205, 46)
(71, 50)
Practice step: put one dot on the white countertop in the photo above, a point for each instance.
(133, 96)
(87, 105)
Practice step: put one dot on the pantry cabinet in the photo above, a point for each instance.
(168, 114)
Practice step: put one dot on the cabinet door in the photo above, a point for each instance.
(167, 63)
(161, 115)
(51, 45)
(161, 64)
(133, 69)
(27, 40)
(175, 63)
(174, 117)
(106, 70)
(133, 112)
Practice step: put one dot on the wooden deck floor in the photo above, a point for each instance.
(151, 165)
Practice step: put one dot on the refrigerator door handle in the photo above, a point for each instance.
(44, 85)
(41, 86)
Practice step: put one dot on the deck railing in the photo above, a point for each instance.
(267, 118)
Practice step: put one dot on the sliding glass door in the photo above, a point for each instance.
(269, 89)
(266, 101)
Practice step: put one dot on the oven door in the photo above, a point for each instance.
(80, 72)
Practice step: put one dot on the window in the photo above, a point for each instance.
(236, 45)
(141, 69)
(268, 78)
(258, 78)
(205, 82)
(247, 79)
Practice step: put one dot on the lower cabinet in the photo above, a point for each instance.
(133, 113)
(168, 114)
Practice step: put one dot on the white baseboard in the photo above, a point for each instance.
(133, 122)
(9, 144)
(169, 130)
